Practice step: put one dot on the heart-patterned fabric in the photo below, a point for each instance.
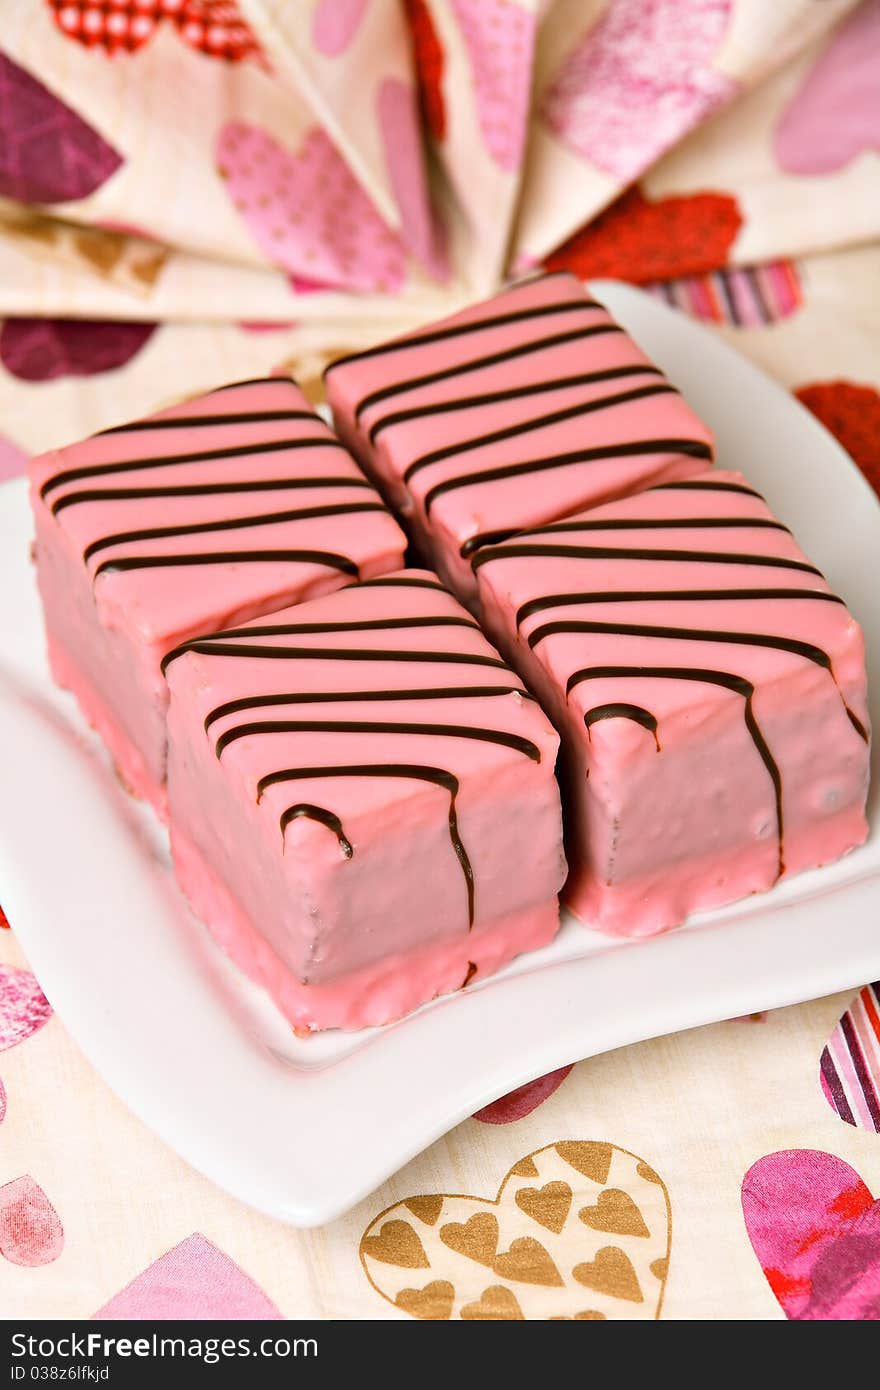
(580, 1229)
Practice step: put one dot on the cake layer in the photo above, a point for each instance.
(519, 410)
(215, 511)
(710, 691)
(383, 807)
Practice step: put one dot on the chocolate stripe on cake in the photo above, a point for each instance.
(605, 552)
(484, 538)
(688, 634)
(230, 557)
(701, 485)
(217, 648)
(725, 679)
(237, 523)
(538, 422)
(327, 697)
(672, 523)
(306, 810)
(461, 330)
(623, 710)
(690, 447)
(372, 726)
(474, 364)
(540, 605)
(126, 494)
(513, 393)
(397, 582)
(99, 470)
(185, 422)
(415, 771)
(359, 625)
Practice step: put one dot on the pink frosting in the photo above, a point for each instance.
(110, 627)
(355, 909)
(671, 804)
(553, 371)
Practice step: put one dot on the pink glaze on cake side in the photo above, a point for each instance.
(231, 505)
(710, 691)
(383, 808)
(520, 410)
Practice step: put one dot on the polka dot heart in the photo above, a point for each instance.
(305, 210)
(212, 27)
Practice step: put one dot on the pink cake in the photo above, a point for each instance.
(216, 511)
(384, 821)
(709, 688)
(517, 411)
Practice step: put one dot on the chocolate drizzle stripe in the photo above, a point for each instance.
(238, 523)
(475, 542)
(701, 486)
(691, 448)
(623, 710)
(99, 470)
(356, 625)
(540, 605)
(672, 523)
(326, 697)
(513, 393)
(807, 650)
(370, 726)
(183, 422)
(604, 552)
(130, 494)
(404, 584)
(305, 809)
(461, 330)
(538, 422)
(230, 557)
(725, 679)
(685, 634)
(298, 629)
(234, 649)
(414, 771)
(484, 538)
(476, 364)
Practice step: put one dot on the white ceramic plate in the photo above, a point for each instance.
(201, 1056)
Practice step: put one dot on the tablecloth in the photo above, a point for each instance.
(724, 154)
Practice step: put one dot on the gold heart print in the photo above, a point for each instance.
(579, 1230)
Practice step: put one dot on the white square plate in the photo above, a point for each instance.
(203, 1058)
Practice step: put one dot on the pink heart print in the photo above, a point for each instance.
(307, 212)
(48, 153)
(30, 1230)
(399, 123)
(193, 1280)
(43, 349)
(639, 80)
(521, 1102)
(815, 1228)
(835, 115)
(499, 37)
(23, 1006)
(335, 24)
